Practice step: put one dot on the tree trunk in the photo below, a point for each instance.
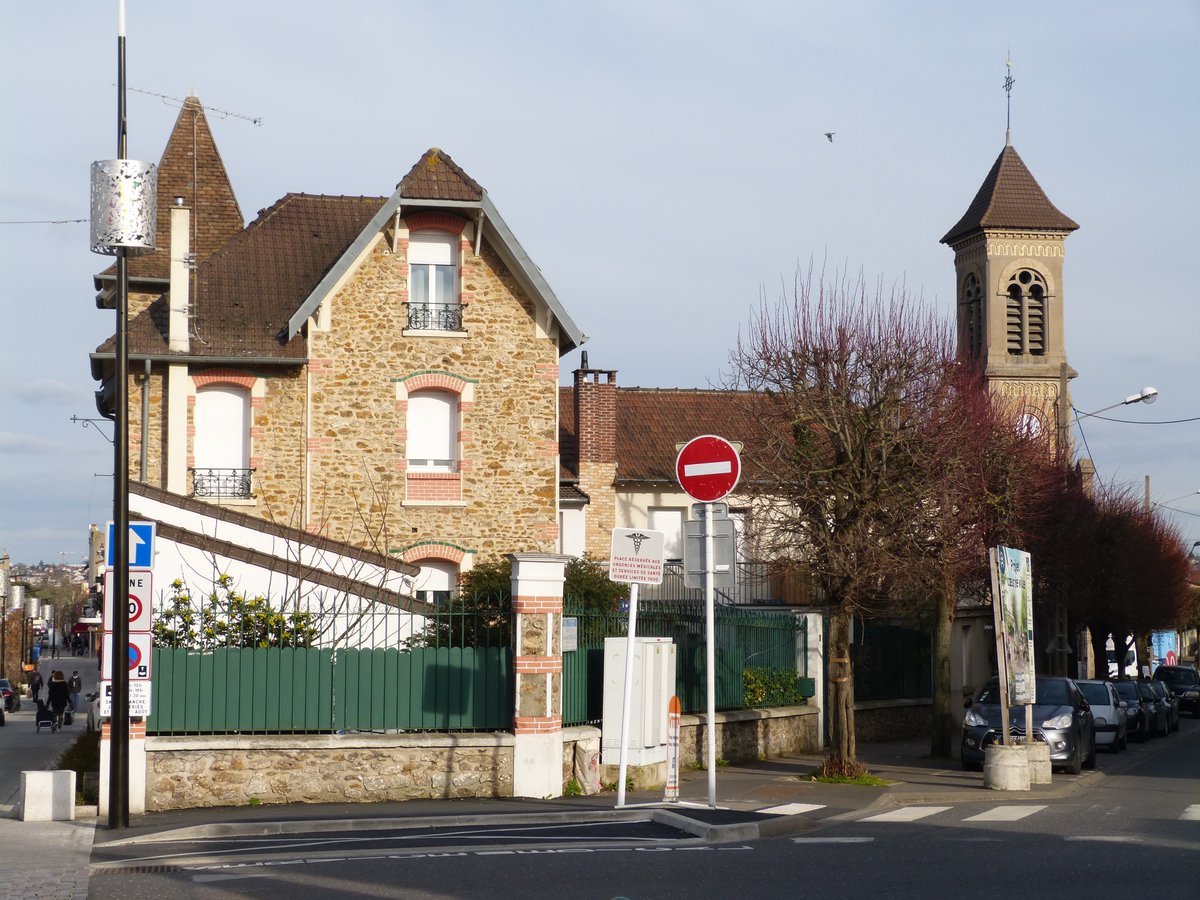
(1099, 637)
(945, 721)
(841, 690)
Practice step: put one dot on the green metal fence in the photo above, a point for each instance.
(745, 638)
(892, 661)
(410, 670)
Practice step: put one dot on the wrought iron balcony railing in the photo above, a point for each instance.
(757, 584)
(435, 316)
(221, 483)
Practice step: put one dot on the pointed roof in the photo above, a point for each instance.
(191, 168)
(437, 177)
(1010, 197)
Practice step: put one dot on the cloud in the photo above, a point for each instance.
(11, 442)
(40, 391)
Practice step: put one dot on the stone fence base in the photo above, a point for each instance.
(887, 720)
(235, 770)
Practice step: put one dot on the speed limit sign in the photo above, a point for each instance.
(141, 597)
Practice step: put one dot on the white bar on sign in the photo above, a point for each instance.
(709, 468)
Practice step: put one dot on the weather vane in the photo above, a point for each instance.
(1008, 83)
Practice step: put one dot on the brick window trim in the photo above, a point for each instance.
(435, 221)
(224, 376)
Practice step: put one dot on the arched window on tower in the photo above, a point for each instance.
(1026, 313)
(971, 303)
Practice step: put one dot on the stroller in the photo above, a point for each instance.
(46, 717)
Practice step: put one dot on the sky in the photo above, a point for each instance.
(665, 164)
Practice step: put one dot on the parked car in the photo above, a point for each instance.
(1184, 683)
(1139, 712)
(11, 696)
(1061, 717)
(1168, 700)
(1108, 711)
(1160, 716)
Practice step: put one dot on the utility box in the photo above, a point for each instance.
(651, 690)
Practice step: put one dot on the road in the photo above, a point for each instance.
(1133, 831)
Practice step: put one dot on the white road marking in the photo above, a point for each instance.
(1104, 838)
(1005, 814)
(1192, 812)
(833, 840)
(906, 814)
(791, 809)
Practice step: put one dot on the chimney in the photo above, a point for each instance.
(180, 287)
(596, 414)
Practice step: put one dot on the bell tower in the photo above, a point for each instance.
(1008, 262)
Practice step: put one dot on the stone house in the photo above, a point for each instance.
(377, 371)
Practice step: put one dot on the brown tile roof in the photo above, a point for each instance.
(437, 177)
(191, 168)
(1010, 197)
(651, 421)
(246, 292)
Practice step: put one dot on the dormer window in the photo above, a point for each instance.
(1026, 313)
(433, 298)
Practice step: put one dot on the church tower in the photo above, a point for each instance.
(1008, 261)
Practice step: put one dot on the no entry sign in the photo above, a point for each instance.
(708, 467)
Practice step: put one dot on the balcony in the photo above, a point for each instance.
(756, 584)
(221, 484)
(435, 316)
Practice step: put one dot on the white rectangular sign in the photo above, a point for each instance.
(139, 699)
(636, 556)
(141, 594)
(139, 656)
(570, 633)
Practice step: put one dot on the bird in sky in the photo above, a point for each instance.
(830, 134)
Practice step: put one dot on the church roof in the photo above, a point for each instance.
(191, 168)
(1010, 197)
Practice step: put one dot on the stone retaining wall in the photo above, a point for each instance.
(887, 720)
(195, 771)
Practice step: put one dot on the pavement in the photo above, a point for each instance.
(755, 800)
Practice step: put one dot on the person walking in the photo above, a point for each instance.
(75, 685)
(35, 684)
(58, 695)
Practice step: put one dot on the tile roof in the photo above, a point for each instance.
(1010, 197)
(651, 421)
(191, 168)
(437, 177)
(245, 293)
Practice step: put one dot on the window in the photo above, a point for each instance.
(1026, 313)
(433, 302)
(437, 583)
(432, 431)
(221, 450)
(670, 523)
(971, 306)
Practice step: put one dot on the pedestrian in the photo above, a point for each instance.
(75, 684)
(35, 684)
(58, 695)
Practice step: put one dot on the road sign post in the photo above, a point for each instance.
(708, 468)
(636, 557)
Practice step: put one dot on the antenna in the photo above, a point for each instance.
(1008, 84)
(223, 113)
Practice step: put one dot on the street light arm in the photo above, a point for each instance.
(1147, 395)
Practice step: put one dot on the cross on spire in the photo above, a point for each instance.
(1008, 85)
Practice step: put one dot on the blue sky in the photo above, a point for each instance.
(664, 163)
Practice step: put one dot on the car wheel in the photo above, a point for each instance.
(1075, 764)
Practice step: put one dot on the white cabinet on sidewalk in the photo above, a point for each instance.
(652, 688)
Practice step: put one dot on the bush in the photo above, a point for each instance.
(770, 687)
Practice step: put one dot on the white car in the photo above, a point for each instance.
(1108, 709)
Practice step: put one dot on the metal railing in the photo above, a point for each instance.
(755, 584)
(435, 316)
(221, 483)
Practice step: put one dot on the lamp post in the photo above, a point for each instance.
(1148, 395)
(124, 222)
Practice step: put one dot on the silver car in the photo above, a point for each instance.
(1108, 711)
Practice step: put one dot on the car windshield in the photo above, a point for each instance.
(1095, 693)
(1177, 676)
(1050, 692)
(1146, 691)
(1127, 690)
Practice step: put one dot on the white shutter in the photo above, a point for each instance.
(431, 248)
(437, 581)
(222, 419)
(670, 523)
(571, 534)
(432, 430)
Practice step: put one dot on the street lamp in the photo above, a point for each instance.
(1147, 395)
(1177, 499)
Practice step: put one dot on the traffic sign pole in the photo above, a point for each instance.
(711, 655)
(627, 700)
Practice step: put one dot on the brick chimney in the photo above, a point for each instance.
(596, 413)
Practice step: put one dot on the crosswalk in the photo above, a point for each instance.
(1000, 813)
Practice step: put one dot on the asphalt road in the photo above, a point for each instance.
(1132, 832)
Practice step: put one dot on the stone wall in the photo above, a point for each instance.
(886, 720)
(186, 772)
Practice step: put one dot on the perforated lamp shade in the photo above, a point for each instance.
(124, 206)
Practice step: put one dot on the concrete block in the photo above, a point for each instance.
(47, 796)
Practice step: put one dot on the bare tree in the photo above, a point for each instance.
(842, 379)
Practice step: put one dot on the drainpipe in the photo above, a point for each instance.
(145, 419)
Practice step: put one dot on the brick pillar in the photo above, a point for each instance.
(537, 592)
(136, 779)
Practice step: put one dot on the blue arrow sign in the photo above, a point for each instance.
(141, 545)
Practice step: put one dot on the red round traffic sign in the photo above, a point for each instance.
(708, 467)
